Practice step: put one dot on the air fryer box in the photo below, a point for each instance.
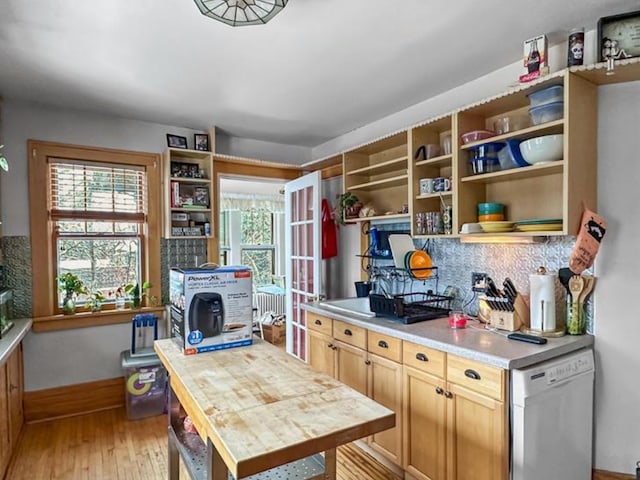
(211, 308)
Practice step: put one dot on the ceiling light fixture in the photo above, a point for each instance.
(239, 13)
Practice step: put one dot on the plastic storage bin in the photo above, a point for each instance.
(145, 385)
(546, 113)
(552, 94)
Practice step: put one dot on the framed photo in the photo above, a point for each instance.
(176, 141)
(201, 196)
(619, 36)
(201, 141)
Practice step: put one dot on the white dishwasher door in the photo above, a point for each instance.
(552, 419)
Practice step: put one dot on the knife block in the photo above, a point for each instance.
(511, 321)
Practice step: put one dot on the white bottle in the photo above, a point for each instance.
(543, 300)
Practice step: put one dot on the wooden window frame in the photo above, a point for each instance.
(41, 227)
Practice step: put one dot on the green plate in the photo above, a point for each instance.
(539, 221)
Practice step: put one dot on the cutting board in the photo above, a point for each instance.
(400, 244)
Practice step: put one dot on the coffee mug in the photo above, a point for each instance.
(426, 186)
(441, 184)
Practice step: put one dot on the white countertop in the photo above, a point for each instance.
(473, 342)
(13, 337)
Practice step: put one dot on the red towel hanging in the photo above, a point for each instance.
(329, 232)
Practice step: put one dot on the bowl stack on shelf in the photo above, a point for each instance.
(491, 218)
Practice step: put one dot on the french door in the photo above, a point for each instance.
(302, 253)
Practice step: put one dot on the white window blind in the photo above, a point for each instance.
(92, 191)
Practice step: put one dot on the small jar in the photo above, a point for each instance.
(457, 319)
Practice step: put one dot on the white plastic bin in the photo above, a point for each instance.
(145, 385)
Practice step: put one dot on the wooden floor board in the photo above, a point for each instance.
(105, 445)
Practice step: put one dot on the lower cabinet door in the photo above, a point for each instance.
(5, 442)
(424, 424)
(321, 355)
(385, 387)
(15, 386)
(351, 366)
(477, 436)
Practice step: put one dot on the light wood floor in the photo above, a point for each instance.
(105, 445)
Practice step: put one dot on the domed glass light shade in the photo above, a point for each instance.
(238, 13)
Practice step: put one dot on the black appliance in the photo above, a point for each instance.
(206, 314)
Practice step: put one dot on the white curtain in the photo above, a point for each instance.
(247, 201)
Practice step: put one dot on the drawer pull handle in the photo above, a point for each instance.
(422, 357)
(318, 322)
(367, 362)
(383, 344)
(348, 332)
(439, 390)
(448, 394)
(472, 374)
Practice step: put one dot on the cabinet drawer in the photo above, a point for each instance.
(423, 358)
(476, 376)
(319, 323)
(385, 346)
(350, 334)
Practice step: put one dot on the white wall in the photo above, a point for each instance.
(617, 329)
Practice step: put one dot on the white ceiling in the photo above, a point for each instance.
(319, 69)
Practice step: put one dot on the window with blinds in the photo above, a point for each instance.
(98, 213)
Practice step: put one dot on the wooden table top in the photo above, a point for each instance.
(262, 408)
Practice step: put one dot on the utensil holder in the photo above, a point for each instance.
(576, 323)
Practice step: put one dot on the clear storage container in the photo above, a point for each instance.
(554, 93)
(145, 385)
(546, 113)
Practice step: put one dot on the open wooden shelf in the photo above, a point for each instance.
(382, 167)
(190, 210)
(549, 128)
(434, 195)
(394, 216)
(204, 181)
(385, 182)
(538, 170)
(441, 161)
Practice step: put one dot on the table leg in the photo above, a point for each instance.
(174, 460)
(173, 408)
(218, 470)
(330, 464)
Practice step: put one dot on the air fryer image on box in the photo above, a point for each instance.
(211, 308)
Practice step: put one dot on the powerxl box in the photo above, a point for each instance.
(211, 308)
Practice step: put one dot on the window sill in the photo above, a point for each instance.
(89, 319)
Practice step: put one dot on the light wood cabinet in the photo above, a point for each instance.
(11, 408)
(456, 424)
(385, 387)
(351, 366)
(386, 173)
(381, 166)
(320, 352)
(15, 388)
(188, 195)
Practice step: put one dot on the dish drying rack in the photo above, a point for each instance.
(411, 307)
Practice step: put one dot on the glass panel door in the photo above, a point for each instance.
(302, 250)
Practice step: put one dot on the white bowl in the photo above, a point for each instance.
(542, 149)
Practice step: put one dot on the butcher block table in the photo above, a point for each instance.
(257, 408)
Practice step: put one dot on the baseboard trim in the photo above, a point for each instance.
(604, 475)
(71, 400)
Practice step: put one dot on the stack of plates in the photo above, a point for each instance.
(539, 225)
(418, 263)
(497, 227)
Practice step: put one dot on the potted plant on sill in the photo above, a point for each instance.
(348, 206)
(72, 286)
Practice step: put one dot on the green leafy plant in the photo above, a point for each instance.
(94, 302)
(71, 284)
(348, 205)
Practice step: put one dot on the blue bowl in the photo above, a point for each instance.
(514, 151)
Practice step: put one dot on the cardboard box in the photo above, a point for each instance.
(273, 333)
(211, 309)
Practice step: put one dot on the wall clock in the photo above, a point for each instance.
(619, 36)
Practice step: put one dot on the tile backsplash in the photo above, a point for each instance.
(456, 261)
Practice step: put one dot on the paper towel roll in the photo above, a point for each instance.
(543, 301)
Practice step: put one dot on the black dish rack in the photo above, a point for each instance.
(411, 307)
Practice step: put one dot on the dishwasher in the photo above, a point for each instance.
(552, 419)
